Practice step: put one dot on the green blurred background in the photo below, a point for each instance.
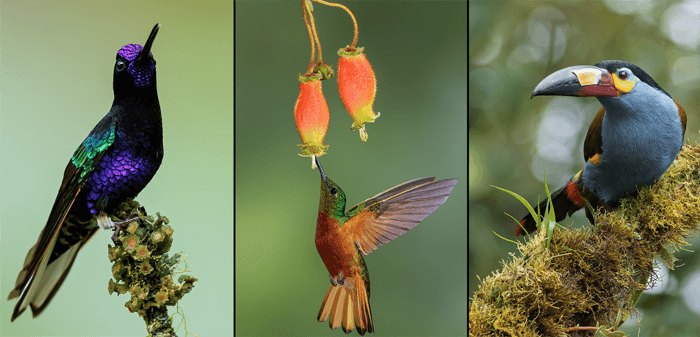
(57, 63)
(419, 53)
(513, 140)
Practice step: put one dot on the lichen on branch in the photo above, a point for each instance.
(142, 267)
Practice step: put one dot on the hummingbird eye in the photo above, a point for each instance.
(333, 191)
(121, 65)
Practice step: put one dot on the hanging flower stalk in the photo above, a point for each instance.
(311, 110)
(357, 86)
(356, 81)
(312, 117)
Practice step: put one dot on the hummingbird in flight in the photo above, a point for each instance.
(115, 162)
(343, 237)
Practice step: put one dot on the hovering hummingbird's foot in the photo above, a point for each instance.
(105, 222)
(340, 280)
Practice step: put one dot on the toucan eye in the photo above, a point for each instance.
(333, 191)
(623, 74)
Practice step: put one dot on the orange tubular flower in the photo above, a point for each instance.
(312, 117)
(357, 86)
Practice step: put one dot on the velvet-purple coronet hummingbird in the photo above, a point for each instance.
(115, 162)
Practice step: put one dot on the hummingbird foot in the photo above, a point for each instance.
(143, 210)
(340, 280)
(105, 222)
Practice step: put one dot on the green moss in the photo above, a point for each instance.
(594, 276)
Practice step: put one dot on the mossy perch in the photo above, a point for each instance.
(593, 276)
(142, 267)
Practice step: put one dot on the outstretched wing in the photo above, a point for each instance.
(388, 215)
(49, 260)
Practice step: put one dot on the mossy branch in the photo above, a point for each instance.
(142, 267)
(592, 277)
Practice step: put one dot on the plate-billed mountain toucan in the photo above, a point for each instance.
(633, 139)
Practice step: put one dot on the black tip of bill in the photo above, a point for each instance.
(147, 47)
(578, 81)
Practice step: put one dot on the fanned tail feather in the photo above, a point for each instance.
(347, 308)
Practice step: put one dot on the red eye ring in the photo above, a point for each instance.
(622, 74)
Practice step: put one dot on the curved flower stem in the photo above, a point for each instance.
(305, 8)
(308, 9)
(354, 22)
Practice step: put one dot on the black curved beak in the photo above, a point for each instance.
(581, 81)
(320, 169)
(147, 47)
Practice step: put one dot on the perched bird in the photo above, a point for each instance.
(341, 237)
(115, 162)
(633, 139)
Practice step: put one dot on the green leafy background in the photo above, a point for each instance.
(514, 140)
(418, 52)
(57, 64)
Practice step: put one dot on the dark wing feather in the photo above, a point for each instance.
(36, 264)
(594, 141)
(681, 114)
(42, 273)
